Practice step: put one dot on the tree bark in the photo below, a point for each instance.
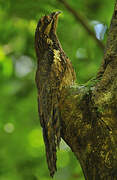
(89, 116)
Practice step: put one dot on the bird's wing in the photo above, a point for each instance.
(49, 118)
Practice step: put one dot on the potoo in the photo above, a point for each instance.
(54, 72)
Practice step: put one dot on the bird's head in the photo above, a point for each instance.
(46, 30)
(47, 24)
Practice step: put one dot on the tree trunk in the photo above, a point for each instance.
(89, 116)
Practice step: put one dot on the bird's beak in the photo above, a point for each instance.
(55, 19)
(57, 13)
(53, 23)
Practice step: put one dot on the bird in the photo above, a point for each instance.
(54, 73)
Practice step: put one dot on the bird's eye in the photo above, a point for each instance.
(47, 21)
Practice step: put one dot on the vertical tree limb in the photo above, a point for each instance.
(111, 46)
(89, 117)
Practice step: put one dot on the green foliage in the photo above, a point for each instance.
(22, 153)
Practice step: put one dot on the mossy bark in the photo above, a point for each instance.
(89, 116)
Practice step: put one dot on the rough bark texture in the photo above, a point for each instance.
(89, 116)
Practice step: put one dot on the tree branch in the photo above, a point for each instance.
(108, 69)
(87, 129)
(111, 46)
(89, 117)
(83, 22)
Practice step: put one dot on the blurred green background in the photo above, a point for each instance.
(22, 153)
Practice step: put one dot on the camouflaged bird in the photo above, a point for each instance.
(54, 72)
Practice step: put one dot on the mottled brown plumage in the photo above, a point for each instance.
(54, 72)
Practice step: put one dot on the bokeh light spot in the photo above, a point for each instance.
(23, 66)
(9, 127)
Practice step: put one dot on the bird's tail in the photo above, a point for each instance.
(50, 146)
(51, 134)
